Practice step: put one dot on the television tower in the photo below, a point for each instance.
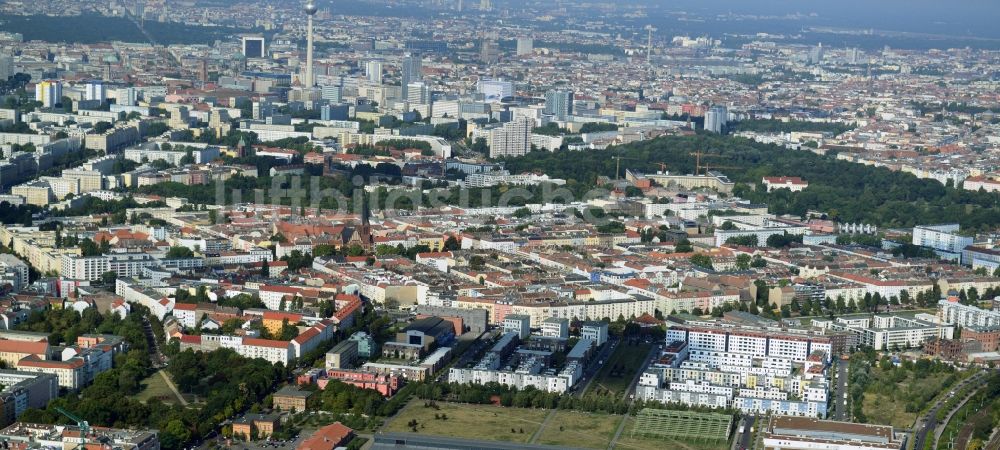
(310, 10)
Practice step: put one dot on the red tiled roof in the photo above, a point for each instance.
(306, 336)
(327, 438)
(34, 361)
(784, 180)
(278, 315)
(24, 347)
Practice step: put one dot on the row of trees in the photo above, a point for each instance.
(534, 398)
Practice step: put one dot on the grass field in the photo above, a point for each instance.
(155, 386)
(626, 442)
(579, 429)
(619, 370)
(890, 408)
(485, 422)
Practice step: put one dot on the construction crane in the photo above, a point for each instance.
(707, 168)
(80, 423)
(697, 161)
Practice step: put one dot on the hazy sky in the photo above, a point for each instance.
(956, 17)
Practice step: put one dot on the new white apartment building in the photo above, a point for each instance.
(92, 267)
(967, 315)
(886, 332)
(748, 341)
(942, 238)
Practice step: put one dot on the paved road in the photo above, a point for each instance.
(604, 354)
(156, 356)
(841, 412)
(744, 441)
(940, 429)
(929, 422)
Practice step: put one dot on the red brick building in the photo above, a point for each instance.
(989, 337)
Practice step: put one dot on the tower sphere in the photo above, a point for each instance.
(310, 8)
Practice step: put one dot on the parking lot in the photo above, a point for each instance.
(262, 444)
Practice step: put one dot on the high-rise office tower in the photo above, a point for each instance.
(417, 93)
(6, 67)
(715, 118)
(559, 104)
(816, 54)
(253, 47)
(48, 92)
(525, 46)
(489, 52)
(852, 55)
(412, 70)
(203, 71)
(310, 10)
(373, 70)
(332, 93)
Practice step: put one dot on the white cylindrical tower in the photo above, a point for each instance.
(310, 10)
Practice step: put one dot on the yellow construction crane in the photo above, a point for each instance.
(707, 168)
(697, 162)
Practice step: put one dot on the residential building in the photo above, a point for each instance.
(794, 184)
(25, 435)
(716, 118)
(366, 344)
(555, 327)
(519, 324)
(955, 313)
(27, 390)
(887, 332)
(525, 46)
(291, 398)
(48, 92)
(12, 351)
(595, 331)
(944, 239)
(343, 355)
(510, 139)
